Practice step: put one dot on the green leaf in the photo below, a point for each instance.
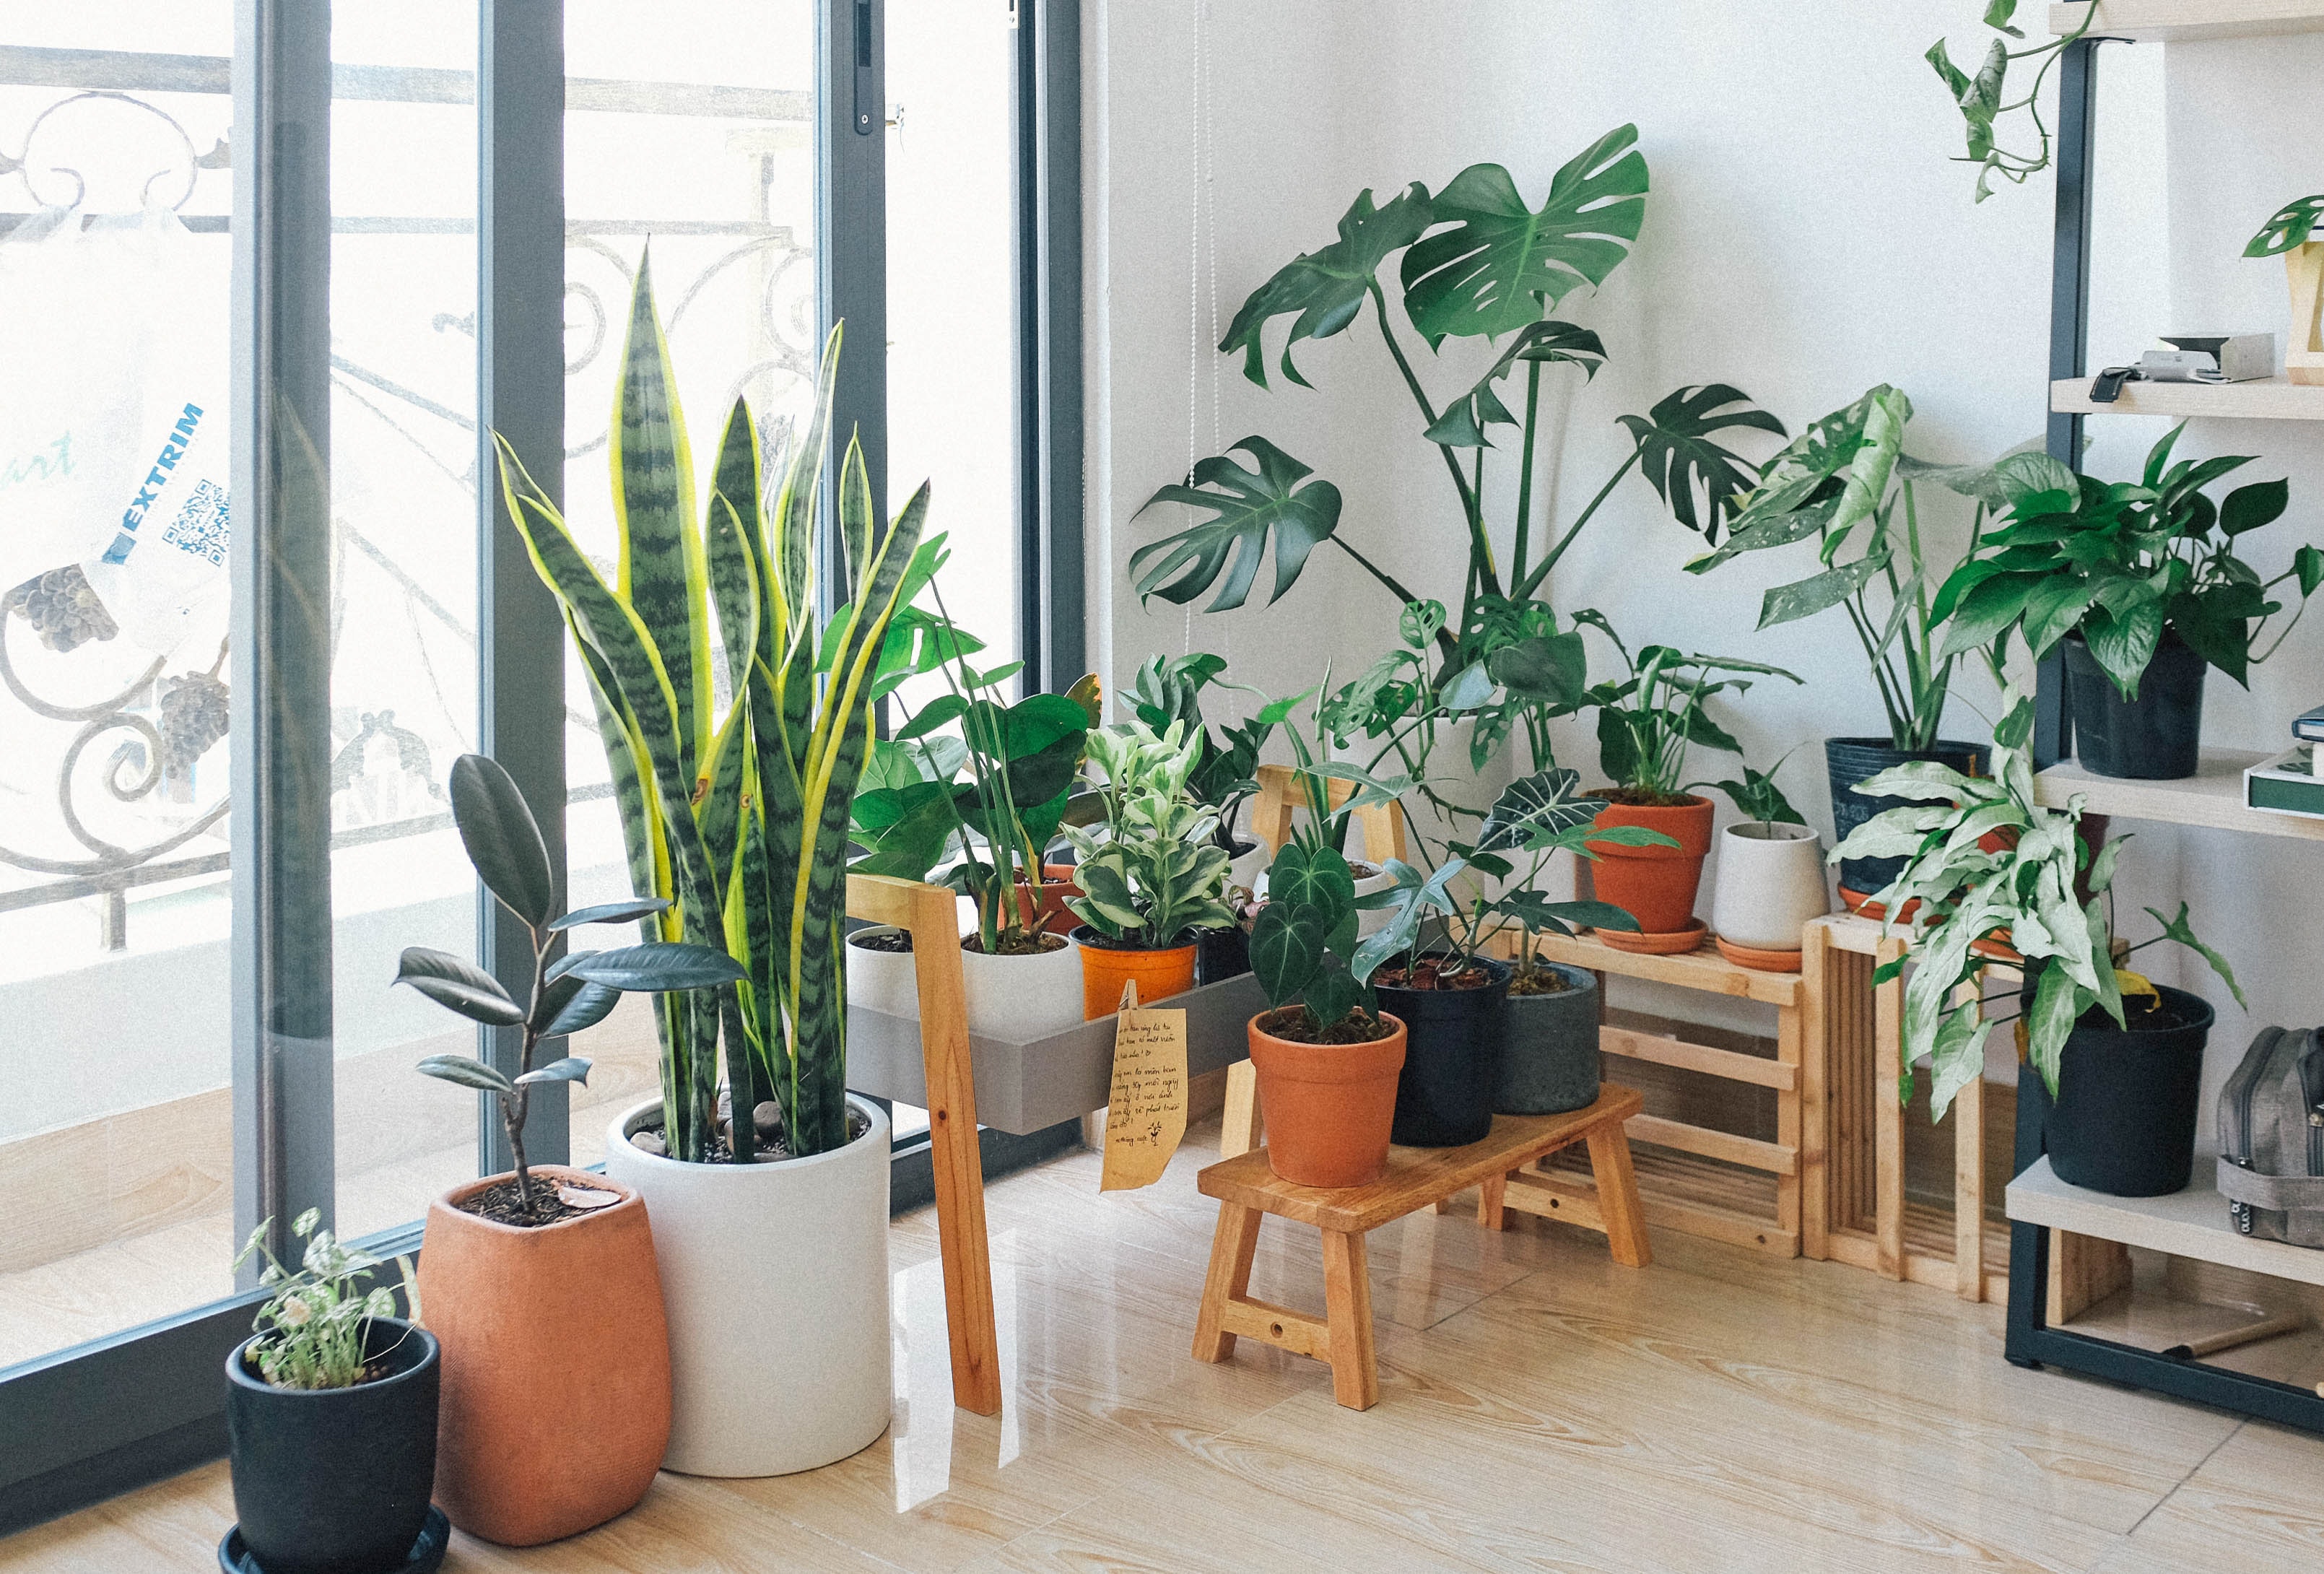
(458, 985)
(1502, 264)
(938, 711)
(1788, 604)
(2178, 930)
(622, 912)
(1316, 881)
(467, 1070)
(1462, 425)
(2287, 227)
(590, 1005)
(503, 841)
(1247, 509)
(1287, 947)
(1696, 477)
(1326, 288)
(1548, 670)
(571, 1069)
(660, 968)
(2248, 508)
(1541, 805)
(1537, 913)
(1993, 604)
(1468, 689)
(1998, 16)
(2123, 646)
(2058, 1004)
(1334, 992)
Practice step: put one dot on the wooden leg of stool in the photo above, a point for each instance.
(1618, 1196)
(1348, 1309)
(1491, 1191)
(1442, 1205)
(1239, 1125)
(1231, 1253)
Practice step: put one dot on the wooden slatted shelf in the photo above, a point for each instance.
(2264, 398)
(2190, 21)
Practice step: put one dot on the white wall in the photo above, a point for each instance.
(1805, 237)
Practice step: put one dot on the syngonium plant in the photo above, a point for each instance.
(1476, 262)
(566, 995)
(1151, 872)
(734, 806)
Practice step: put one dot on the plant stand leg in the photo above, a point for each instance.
(1240, 1124)
(1814, 1109)
(1348, 1309)
(1231, 1250)
(1888, 1117)
(1618, 1195)
(1491, 1193)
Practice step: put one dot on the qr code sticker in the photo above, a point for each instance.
(201, 527)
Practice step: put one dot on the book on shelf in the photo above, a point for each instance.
(2309, 725)
(2287, 784)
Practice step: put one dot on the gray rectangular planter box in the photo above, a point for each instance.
(1024, 1087)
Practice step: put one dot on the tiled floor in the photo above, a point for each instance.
(1541, 1409)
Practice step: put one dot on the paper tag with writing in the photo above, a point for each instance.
(1145, 1114)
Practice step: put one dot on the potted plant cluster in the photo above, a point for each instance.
(331, 1407)
(735, 803)
(1150, 875)
(2140, 584)
(984, 801)
(543, 1246)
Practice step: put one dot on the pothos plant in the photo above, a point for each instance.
(1476, 261)
(1984, 101)
(1648, 720)
(1987, 864)
(1151, 872)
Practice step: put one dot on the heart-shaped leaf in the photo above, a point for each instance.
(1249, 508)
(461, 986)
(1286, 946)
(503, 839)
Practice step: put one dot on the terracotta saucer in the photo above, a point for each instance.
(1863, 907)
(1766, 962)
(1673, 943)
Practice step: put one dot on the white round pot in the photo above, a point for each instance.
(775, 1277)
(1769, 882)
(1016, 997)
(1372, 920)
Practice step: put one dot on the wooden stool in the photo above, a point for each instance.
(1416, 1178)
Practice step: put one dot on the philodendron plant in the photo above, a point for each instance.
(1151, 872)
(735, 807)
(1648, 720)
(1987, 863)
(573, 992)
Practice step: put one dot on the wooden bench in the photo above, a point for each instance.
(1416, 1178)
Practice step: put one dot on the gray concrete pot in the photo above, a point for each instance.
(1549, 1062)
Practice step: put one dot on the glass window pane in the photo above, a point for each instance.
(691, 126)
(116, 1144)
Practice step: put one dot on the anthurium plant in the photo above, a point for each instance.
(567, 995)
(2119, 563)
(1303, 945)
(1151, 872)
(1650, 719)
(734, 798)
(984, 799)
(1987, 863)
(1474, 260)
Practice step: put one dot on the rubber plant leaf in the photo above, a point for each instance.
(660, 968)
(1249, 510)
(623, 912)
(468, 1071)
(572, 1068)
(1695, 476)
(460, 986)
(503, 840)
(1502, 264)
(1326, 288)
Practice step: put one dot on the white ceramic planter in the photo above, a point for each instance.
(1770, 881)
(1016, 997)
(775, 1276)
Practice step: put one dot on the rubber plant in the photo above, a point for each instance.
(734, 798)
(1473, 261)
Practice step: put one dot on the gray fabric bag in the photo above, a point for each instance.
(2272, 1138)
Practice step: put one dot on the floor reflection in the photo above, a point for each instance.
(921, 1436)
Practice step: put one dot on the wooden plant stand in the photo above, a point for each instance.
(1416, 1178)
(931, 914)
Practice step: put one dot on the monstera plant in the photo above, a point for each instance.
(1476, 261)
(734, 797)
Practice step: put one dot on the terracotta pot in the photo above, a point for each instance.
(1655, 885)
(1057, 887)
(556, 1400)
(1105, 968)
(1329, 1106)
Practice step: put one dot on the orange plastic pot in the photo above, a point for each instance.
(556, 1397)
(1057, 887)
(1329, 1106)
(1655, 885)
(1105, 968)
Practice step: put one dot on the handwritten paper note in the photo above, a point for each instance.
(1145, 1114)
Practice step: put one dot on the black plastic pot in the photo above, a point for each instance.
(1222, 954)
(1850, 760)
(2124, 1119)
(1452, 1059)
(1549, 1061)
(336, 1480)
(2156, 736)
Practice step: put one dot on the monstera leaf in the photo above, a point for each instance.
(1462, 425)
(1327, 288)
(1502, 264)
(1695, 474)
(1246, 508)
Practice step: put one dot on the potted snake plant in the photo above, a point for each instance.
(735, 803)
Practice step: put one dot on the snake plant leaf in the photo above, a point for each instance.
(503, 839)
(663, 969)
(1286, 948)
(1541, 805)
(461, 986)
(1502, 264)
(468, 1071)
(1249, 508)
(1326, 288)
(662, 573)
(2288, 226)
(1695, 476)
(572, 1068)
(733, 571)
(622, 912)
(2178, 930)
(1463, 422)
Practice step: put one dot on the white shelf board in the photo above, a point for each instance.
(2213, 797)
(2191, 20)
(2264, 398)
(2192, 1223)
